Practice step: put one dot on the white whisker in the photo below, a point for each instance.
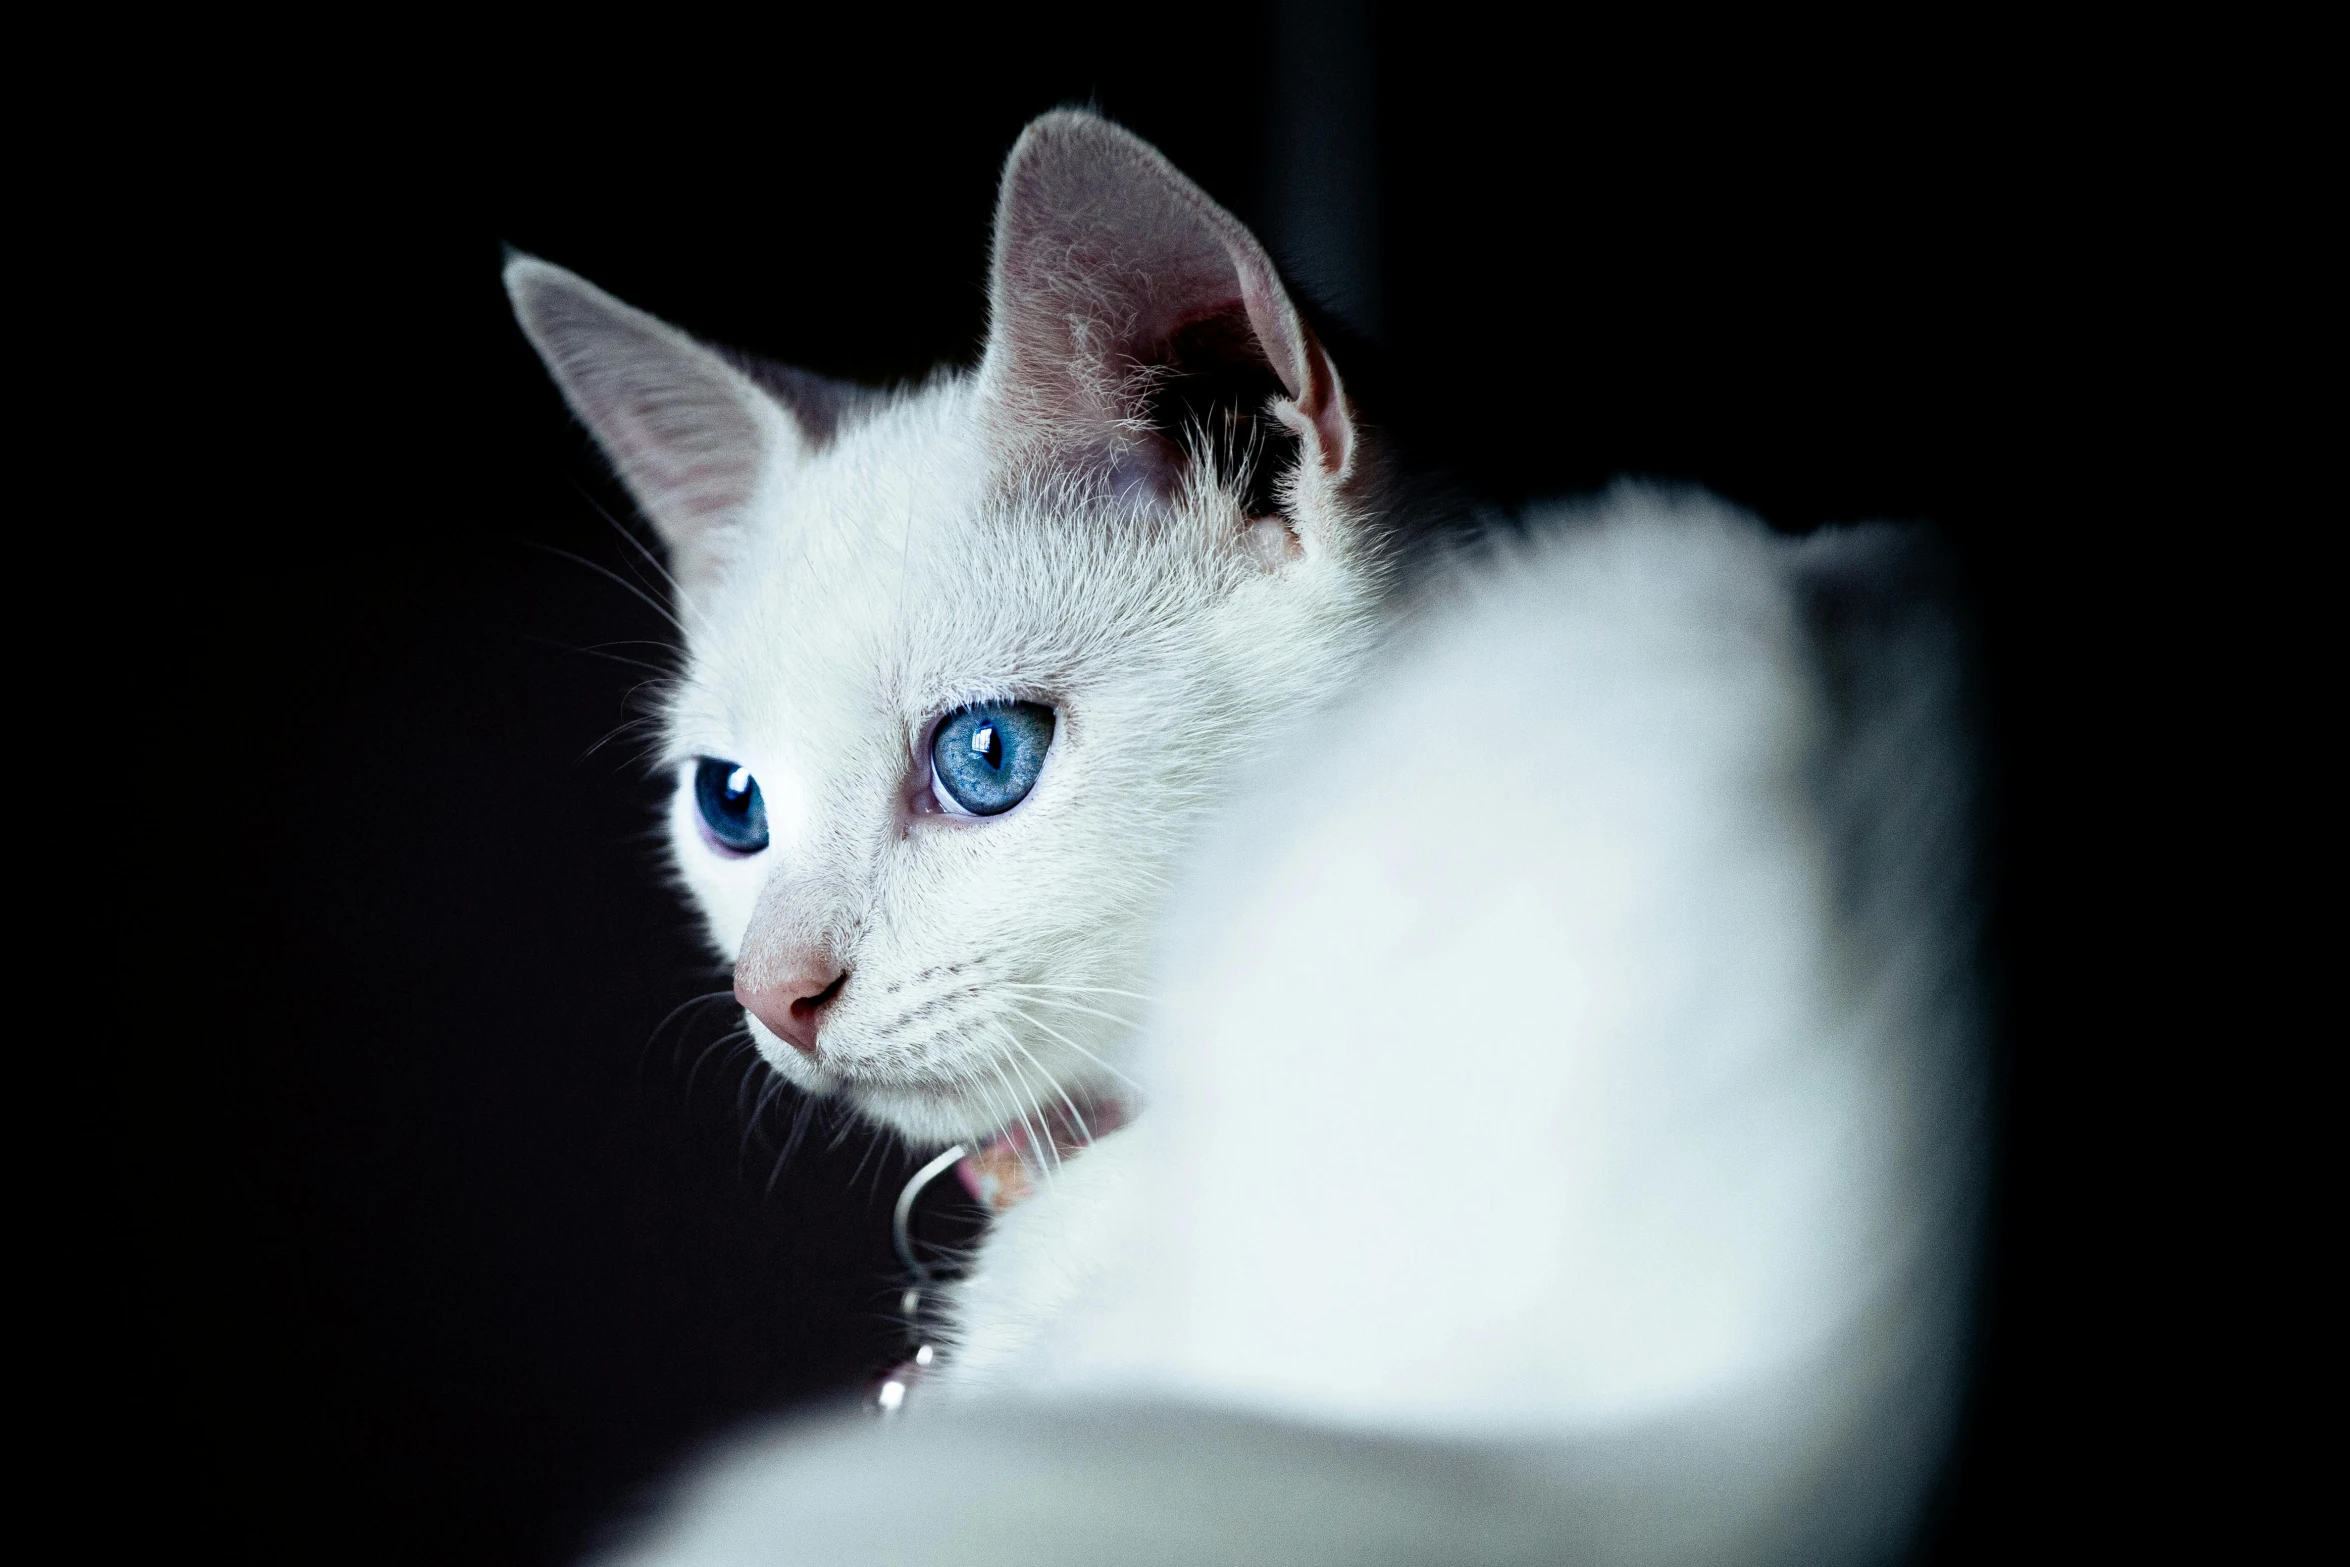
(1076, 1116)
(1051, 1147)
(1080, 1049)
(1072, 1006)
(995, 1065)
(1076, 990)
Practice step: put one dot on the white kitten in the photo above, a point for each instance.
(1143, 513)
(1559, 1099)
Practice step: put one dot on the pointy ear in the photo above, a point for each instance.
(694, 438)
(1130, 315)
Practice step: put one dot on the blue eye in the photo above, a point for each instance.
(731, 807)
(986, 757)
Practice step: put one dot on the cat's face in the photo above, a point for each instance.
(899, 588)
(961, 664)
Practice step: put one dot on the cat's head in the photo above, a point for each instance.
(961, 663)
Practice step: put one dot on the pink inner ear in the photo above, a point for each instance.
(689, 434)
(1104, 255)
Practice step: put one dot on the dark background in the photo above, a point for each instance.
(438, 1231)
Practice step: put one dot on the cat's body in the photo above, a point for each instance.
(1544, 987)
(1605, 857)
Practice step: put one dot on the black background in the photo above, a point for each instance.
(438, 1232)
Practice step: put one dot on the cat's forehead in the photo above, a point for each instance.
(843, 530)
(896, 570)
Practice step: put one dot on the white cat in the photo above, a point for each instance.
(1555, 1099)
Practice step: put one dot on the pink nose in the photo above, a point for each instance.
(790, 998)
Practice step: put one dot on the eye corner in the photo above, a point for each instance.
(934, 798)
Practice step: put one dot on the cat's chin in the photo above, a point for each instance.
(927, 1114)
(923, 1112)
(936, 1115)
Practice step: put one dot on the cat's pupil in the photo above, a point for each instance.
(986, 757)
